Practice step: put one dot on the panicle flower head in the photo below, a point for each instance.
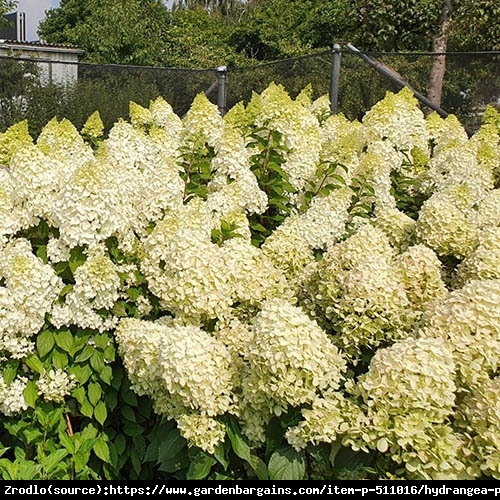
(342, 142)
(398, 120)
(96, 288)
(185, 269)
(61, 140)
(488, 209)
(202, 124)
(287, 248)
(11, 396)
(15, 137)
(233, 185)
(146, 170)
(196, 370)
(251, 274)
(491, 116)
(328, 420)
(138, 342)
(31, 288)
(291, 245)
(90, 206)
(457, 165)
(324, 222)
(97, 280)
(480, 415)
(411, 376)
(448, 221)
(320, 108)
(37, 180)
(164, 116)
(409, 391)
(399, 227)
(483, 262)
(445, 132)
(299, 129)
(202, 431)
(93, 127)
(469, 319)
(291, 358)
(487, 142)
(374, 169)
(356, 293)
(240, 116)
(54, 385)
(140, 117)
(183, 368)
(421, 275)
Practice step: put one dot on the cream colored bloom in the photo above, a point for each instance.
(202, 124)
(398, 120)
(484, 261)
(55, 385)
(357, 294)
(202, 431)
(93, 127)
(291, 358)
(11, 396)
(480, 416)
(422, 275)
(410, 392)
(469, 319)
(186, 371)
(96, 288)
(15, 137)
(29, 292)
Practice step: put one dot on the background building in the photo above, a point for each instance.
(25, 19)
(56, 63)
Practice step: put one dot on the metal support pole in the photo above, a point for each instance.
(221, 89)
(334, 78)
(393, 76)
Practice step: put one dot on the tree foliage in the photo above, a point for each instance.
(208, 33)
(412, 25)
(110, 31)
(7, 6)
(477, 25)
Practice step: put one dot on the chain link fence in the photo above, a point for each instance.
(472, 80)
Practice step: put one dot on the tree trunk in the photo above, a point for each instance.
(439, 45)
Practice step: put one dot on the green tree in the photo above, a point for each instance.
(226, 8)
(396, 26)
(111, 31)
(7, 6)
(273, 29)
(197, 38)
(476, 25)
(429, 25)
(143, 32)
(146, 32)
(411, 25)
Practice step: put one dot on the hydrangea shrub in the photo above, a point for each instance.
(276, 293)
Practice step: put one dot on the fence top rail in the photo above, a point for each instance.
(20, 57)
(449, 53)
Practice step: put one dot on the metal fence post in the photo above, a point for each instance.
(221, 89)
(334, 78)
